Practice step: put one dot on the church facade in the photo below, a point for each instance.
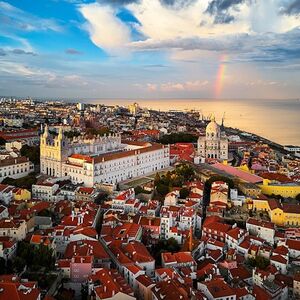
(99, 160)
(214, 145)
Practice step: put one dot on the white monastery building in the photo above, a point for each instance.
(214, 144)
(99, 159)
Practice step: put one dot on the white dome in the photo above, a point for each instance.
(213, 129)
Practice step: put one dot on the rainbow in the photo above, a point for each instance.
(220, 76)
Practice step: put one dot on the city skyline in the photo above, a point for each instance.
(150, 49)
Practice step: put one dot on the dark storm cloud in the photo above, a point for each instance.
(223, 18)
(216, 6)
(177, 3)
(293, 8)
(267, 47)
(219, 9)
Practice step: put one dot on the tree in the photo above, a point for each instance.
(156, 179)
(102, 196)
(172, 245)
(183, 193)
(24, 182)
(97, 131)
(180, 137)
(259, 262)
(71, 134)
(298, 197)
(162, 189)
(138, 190)
(35, 257)
(2, 141)
(186, 171)
(32, 152)
(19, 264)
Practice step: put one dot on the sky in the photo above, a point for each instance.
(150, 49)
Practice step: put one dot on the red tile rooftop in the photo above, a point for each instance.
(179, 257)
(293, 244)
(138, 252)
(261, 223)
(276, 177)
(86, 248)
(279, 259)
(218, 288)
(82, 157)
(134, 269)
(110, 283)
(169, 290)
(219, 227)
(3, 187)
(117, 155)
(144, 280)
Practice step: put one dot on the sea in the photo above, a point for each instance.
(276, 120)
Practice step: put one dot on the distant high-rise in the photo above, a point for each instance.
(80, 106)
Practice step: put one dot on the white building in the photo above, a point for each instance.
(3, 212)
(15, 167)
(214, 144)
(262, 229)
(16, 229)
(101, 159)
(80, 106)
(13, 122)
(6, 193)
(44, 191)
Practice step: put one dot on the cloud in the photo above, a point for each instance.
(293, 8)
(72, 51)
(173, 25)
(23, 52)
(117, 2)
(20, 72)
(2, 52)
(196, 85)
(176, 4)
(220, 10)
(242, 47)
(15, 19)
(105, 29)
(65, 81)
(168, 87)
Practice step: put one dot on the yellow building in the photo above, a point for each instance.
(287, 215)
(249, 189)
(260, 203)
(285, 189)
(21, 194)
(276, 213)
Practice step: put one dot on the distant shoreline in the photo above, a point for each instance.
(276, 120)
